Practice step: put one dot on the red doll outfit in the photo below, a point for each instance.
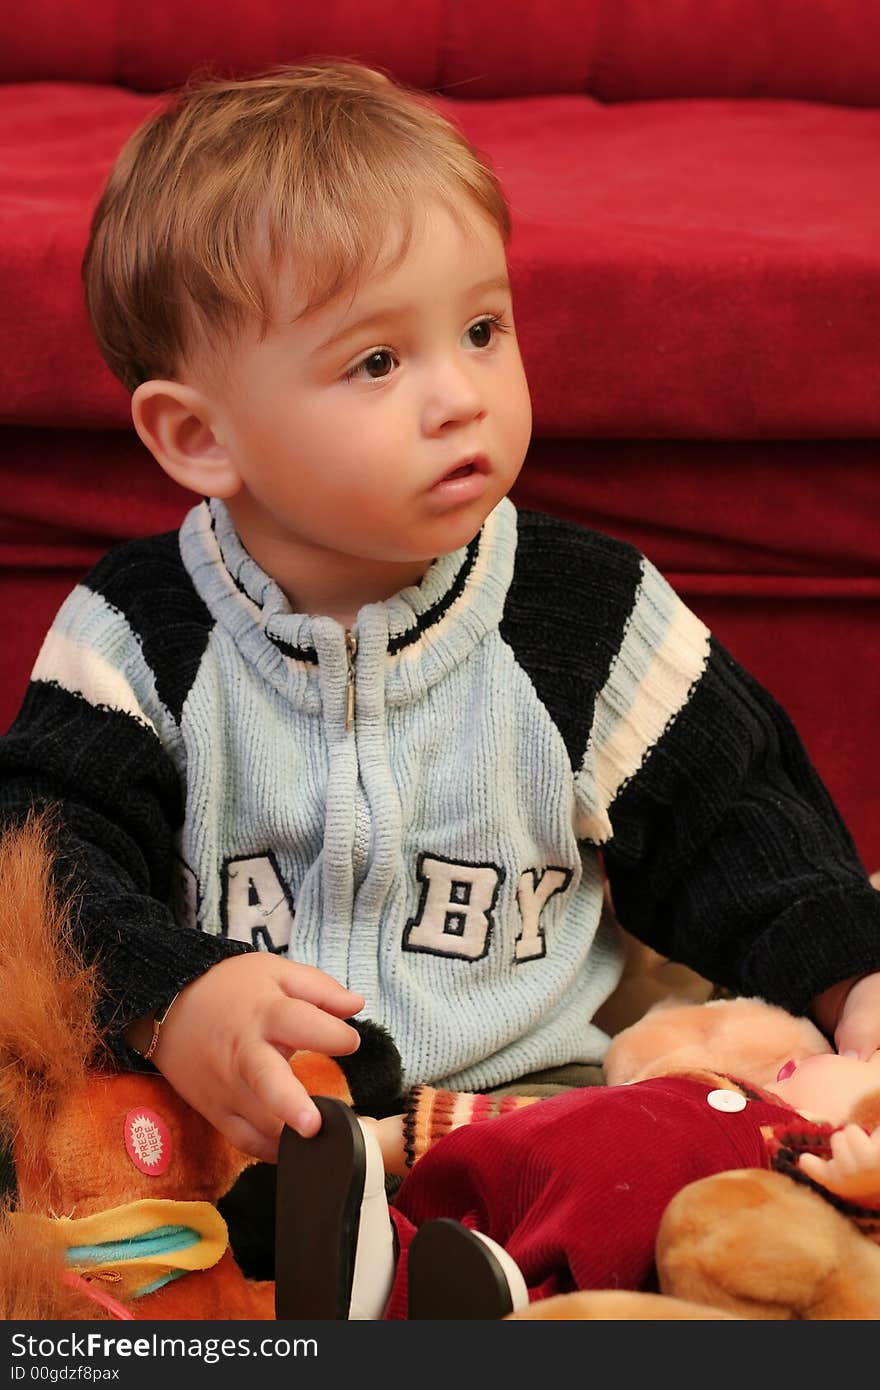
(574, 1186)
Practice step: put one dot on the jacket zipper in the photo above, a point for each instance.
(351, 647)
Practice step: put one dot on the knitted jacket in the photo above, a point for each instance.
(422, 807)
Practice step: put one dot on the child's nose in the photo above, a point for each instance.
(453, 396)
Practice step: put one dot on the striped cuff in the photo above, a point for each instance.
(430, 1114)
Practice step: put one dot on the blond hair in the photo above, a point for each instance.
(301, 170)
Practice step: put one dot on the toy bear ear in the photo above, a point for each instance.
(375, 1072)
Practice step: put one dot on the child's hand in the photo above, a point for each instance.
(858, 1024)
(853, 1171)
(225, 1045)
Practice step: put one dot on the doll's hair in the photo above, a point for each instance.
(748, 1038)
(299, 173)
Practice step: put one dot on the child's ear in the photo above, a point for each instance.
(175, 423)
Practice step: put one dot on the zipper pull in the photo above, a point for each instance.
(351, 646)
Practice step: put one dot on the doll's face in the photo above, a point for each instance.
(827, 1086)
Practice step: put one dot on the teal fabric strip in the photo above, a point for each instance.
(165, 1240)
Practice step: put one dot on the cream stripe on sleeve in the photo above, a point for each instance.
(664, 652)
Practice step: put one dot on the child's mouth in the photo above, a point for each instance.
(786, 1070)
(477, 463)
(465, 482)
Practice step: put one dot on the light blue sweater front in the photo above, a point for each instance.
(427, 855)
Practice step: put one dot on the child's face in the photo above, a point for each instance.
(342, 424)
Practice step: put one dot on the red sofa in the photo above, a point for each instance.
(696, 262)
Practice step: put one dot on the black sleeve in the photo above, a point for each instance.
(728, 854)
(117, 804)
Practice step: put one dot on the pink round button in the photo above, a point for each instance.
(147, 1141)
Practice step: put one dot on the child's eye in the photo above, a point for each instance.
(366, 362)
(485, 328)
(483, 331)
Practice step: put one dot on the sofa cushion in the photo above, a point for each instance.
(616, 50)
(723, 256)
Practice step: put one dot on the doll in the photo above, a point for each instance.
(569, 1193)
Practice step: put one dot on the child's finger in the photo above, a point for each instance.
(236, 1109)
(243, 1136)
(277, 1091)
(858, 1038)
(858, 1029)
(248, 1106)
(295, 1024)
(316, 987)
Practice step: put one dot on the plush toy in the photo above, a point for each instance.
(111, 1181)
(797, 1241)
(116, 1181)
(747, 1244)
(512, 1199)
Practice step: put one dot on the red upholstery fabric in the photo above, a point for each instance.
(695, 258)
(616, 50)
(730, 249)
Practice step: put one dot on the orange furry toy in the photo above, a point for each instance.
(116, 1177)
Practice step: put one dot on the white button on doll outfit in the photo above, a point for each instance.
(730, 1101)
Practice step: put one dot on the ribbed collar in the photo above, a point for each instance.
(424, 631)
